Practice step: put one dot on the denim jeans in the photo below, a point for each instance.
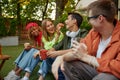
(46, 67)
(26, 61)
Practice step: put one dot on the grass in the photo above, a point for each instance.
(14, 52)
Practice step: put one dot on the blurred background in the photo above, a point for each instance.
(16, 14)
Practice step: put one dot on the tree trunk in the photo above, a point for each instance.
(44, 11)
(60, 5)
(19, 28)
(0, 9)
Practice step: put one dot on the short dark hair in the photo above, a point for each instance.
(78, 18)
(103, 7)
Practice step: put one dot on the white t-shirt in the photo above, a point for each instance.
(102, 45)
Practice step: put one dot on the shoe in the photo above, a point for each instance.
(24, 78)
(15, 77)
(10, 74)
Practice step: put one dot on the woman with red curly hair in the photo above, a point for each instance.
(24, 60)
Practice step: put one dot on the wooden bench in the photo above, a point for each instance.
(3, 58)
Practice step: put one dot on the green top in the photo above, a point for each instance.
(49, 44)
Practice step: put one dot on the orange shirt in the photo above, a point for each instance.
(110, 58)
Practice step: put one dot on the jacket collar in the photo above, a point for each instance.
(116, 33)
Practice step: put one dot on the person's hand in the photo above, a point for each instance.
(55, 66)
(79, 49)
(27, 46)
(36, 54)
(43, 54)
(52, 54)
(58, 27)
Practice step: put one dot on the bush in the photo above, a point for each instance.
(12, 30)
(85, 24)
(4, 30)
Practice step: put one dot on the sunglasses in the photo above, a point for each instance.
(88, 18)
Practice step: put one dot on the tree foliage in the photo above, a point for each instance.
(35, 9)
(24, 10)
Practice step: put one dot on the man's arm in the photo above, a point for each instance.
(81, 53)
(59, 62)
(69, 56)
(52, 53)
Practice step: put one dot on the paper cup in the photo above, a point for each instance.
(43, 54)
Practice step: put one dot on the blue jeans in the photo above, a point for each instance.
(46, 67)
(26, 61)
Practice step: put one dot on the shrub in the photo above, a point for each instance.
(4, 30)
(12, 30)
(85, 24)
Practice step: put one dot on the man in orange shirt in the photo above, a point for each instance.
(97, 57)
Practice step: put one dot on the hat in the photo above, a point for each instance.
(31, 24)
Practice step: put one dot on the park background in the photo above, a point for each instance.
(16, 14)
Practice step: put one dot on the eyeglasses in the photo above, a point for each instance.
(88, 18)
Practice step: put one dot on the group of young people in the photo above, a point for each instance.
(94, 57)
(43, 38)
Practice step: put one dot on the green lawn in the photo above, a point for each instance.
(14, 51)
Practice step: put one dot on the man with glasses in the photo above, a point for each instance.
(97, 56)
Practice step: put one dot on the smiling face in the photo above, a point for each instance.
(70, 22)
(96, 21)
(104, 10)
(50, 27)
(34, 31)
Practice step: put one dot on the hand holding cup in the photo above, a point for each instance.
(27, 46)
(43, 54)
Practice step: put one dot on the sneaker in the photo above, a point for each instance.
(15, 77)
(24, 78)
(10, 74)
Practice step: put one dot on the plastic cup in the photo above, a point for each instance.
(43, 54)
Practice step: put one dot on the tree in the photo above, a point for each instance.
(45, 9)
(0, 8)
(19, 27)
(60, 5)
(24, 10)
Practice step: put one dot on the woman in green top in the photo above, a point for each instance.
(51, 35)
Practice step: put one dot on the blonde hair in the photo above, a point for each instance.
(45, 33)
